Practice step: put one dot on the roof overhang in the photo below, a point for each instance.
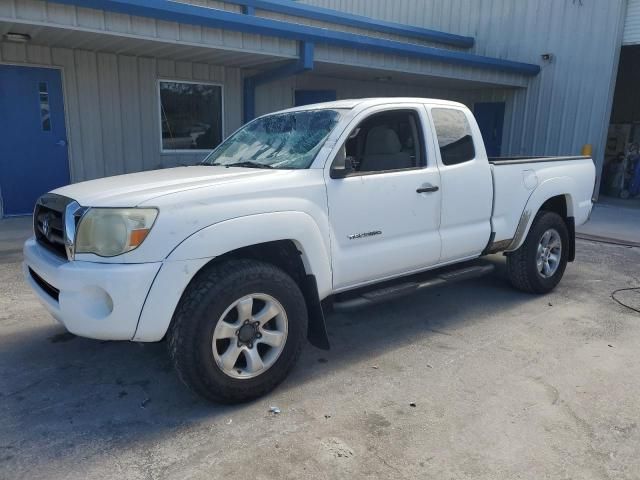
(63, 36)
(295, 9)
(171, 11)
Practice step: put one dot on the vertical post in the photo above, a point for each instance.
(249, 100)
(303, 64)
(306, 50)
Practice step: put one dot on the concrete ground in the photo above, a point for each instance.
(13, 233)
(505, 385)
(614, 219)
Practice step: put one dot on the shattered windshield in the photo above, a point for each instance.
(284, 140)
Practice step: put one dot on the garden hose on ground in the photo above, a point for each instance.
(595, 239)
(620, 302)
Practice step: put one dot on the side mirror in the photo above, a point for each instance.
(342, 165)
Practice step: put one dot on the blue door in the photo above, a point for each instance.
(490, 118)
(309, 97)
(33, 137)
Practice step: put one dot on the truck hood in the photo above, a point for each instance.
(135, 188)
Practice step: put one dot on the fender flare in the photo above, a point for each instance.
(197, 250)
(239, 232)
(554, 187)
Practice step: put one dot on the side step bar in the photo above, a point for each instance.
(432, 279)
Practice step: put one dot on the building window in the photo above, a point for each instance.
(191, 115)
(45, 111)
(454, 136)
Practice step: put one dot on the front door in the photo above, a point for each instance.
(385, 215)
(490, 118)
(33, 137)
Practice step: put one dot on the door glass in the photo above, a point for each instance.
(454, 136)
(45, 113)
(384, 142)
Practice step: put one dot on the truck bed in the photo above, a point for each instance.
(516, 178)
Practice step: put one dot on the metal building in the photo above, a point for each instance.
(90, 88)
(621, 169)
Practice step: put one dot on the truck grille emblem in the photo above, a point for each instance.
(46, 226)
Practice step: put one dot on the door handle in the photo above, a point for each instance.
(428, 189)
(61, 143)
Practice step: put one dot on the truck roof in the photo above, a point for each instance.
(370, 102)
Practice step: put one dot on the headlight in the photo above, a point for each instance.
(113, 231)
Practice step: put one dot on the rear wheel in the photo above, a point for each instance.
(539, 264)
(238, 330)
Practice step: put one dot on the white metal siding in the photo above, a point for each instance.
(632, 24)
(112, 105)
(569, 103)
(133, 30)
(140, 29)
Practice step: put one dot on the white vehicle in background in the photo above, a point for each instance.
(337, 205)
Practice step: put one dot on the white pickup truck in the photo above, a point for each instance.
(336, 205)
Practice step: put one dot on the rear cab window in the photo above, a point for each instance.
(455, 138)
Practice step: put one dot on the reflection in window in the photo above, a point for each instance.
(191, 116)
(454, 136)
(45, 112)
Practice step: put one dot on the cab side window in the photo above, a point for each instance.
(386, 141)
(454, 136)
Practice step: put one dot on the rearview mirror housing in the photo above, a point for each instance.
(342, 165)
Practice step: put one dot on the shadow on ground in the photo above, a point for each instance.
(67, 387)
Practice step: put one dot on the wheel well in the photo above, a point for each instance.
(285, 255)
(556, 204)
(559, 205)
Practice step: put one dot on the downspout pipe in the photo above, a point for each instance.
(303, 64)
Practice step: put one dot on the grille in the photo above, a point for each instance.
(49, 289)
(48, 223)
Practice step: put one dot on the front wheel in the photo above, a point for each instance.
(539, 264)
(238, 330)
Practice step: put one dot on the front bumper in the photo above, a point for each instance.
(94, 300)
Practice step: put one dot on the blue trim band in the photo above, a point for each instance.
(288, 7)
(303, 64)
(208, 17)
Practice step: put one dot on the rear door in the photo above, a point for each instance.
(385, 215)
(467, 186)
(33, 137)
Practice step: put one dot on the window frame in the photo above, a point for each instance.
(164, 151)
(436, 142)
(366, 115)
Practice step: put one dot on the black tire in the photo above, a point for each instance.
(205, 300)
(521, 264)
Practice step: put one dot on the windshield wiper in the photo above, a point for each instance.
(246, 164)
